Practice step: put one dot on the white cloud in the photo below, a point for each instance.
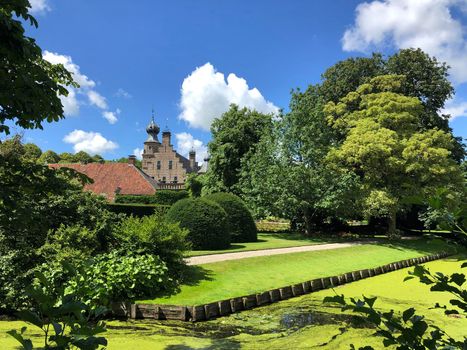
(111, 117)
(71, 103)
(206, 95)
(91, 142)
(138, 152)
(426, 24)
(39, 6)
(455, 109)
(97, 99)
(67, 62)
(122, 93)
(186, 142)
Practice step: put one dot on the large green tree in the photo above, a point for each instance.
(234, 136)
(286, 175)
(386, 145)
(30, 87)
(426, 79)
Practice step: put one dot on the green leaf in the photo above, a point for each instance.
(31, 317)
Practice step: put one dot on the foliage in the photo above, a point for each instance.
(119, 276)
(48, 157)
(205, 220)
(153, 235)
(385, 147)
(194, 184)
(169, 197)
(163, 197)
(32, 151)
(138, 163)
(34, 202)
(234, 136)
(242, 227)
(426, 79)
(135, 209)
(409, 332)
(287, 176)
(64, 319)
(30, 87)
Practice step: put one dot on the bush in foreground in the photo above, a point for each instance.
(241, 224)
(153, 235)
(205, 220)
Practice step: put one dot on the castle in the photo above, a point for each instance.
(162, 163)
(162, 169)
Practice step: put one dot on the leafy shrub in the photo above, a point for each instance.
(272, 226)
(169, 197)
(241, 224)
(137, 199)
(66, 322)
(138, 210)
(70, 243)
(120, 277)
(163, 197)
(153, 235)
(205, 220)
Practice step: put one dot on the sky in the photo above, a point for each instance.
(188, 60)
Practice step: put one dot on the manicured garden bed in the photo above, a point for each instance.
(227, 279)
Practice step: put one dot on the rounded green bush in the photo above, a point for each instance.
(241, 224)
(205, 220)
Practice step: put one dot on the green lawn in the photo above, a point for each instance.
(227, 279)
(297, 323)
(266, 241)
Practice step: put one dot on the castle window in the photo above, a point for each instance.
(158, 165)
(163, 179)
(170, 164)
(175, 179)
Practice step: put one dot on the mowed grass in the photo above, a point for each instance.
(266, 241)
(217, 281)
(270, 327)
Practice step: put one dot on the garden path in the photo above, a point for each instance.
(206, 259)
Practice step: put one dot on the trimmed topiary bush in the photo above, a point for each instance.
(241, 224)
(205, 220)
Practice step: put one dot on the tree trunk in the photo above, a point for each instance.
(392, 231)
(307, 220)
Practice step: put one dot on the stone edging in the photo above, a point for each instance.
(226, 307)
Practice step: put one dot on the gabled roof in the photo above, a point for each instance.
(112, 178)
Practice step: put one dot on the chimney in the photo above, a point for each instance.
(192, 157)
(132, 159)
(166, 137)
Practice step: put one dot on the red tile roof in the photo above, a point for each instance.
(110, 178)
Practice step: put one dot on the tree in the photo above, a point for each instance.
(66, 157)
(48, 157)
(82, 157)
(385, 145)
(234, 136)
(32, 151)
(426, 79)
(30, 87)
(286, 175)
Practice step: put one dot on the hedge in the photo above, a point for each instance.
(165, 197)
(205, 220)
(241, 224)
(138, 210)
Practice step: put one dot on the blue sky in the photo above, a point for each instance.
(189, 59)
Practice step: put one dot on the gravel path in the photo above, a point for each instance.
(206, 259)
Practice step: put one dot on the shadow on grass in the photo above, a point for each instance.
(193, 275)
(216, 344)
